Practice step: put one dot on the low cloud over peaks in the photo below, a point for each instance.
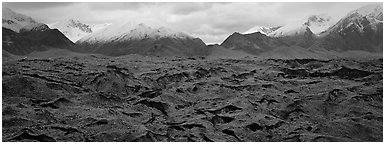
(206, 20)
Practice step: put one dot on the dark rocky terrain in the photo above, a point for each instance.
(136, 98)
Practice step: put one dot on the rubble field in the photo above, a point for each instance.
(138, 98)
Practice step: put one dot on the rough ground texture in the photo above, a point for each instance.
(133, 98)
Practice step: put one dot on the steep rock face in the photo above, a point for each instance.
(254, 43)
(361, 29)
(141, 39)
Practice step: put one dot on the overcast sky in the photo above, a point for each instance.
(212, 22)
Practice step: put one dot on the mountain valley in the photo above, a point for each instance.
(313, 80)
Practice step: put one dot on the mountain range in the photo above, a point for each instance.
(116, 40)
(23, 35)
(359, 30)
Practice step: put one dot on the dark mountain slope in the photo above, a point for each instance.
(27, 42)
(254, 43)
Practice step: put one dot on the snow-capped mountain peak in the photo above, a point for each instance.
(74, 29)
(133, 38)
(10, 14)
(18, 22)
(361, 29)
(131, 31)
(261, 29)
(291, 29)
(316, 23)
(71, 23)
(319, 23)
(372, 10)
(365, 17)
